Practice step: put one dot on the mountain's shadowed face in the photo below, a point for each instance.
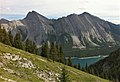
(78, 31)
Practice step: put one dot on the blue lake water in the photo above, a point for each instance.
(88, 60)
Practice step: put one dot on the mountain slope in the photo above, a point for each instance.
(82, 31)
(21, 66)
(87, 29)
(109, 66)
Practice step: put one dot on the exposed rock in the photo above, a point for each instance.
(9, 70)
(83, 29)
(26, 64)
(48, 76)
(76, 42)
(22, 62)
(1, 64)
(12, 57)
(6, 79)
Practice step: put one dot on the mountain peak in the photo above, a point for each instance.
(72, 15)
(31, 14)
(85, 13)
(34, 14)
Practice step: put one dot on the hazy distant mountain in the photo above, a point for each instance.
(76, 31)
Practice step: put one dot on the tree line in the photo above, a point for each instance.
(52, 51)
(16, 41)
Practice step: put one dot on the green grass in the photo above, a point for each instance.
(27, 75)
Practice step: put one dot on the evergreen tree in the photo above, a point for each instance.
(1, 34)
(18, 41)
(61, 55)
(11, 38)
(28, 46)
(69, 61)
(31, 47)
(35, 49)
(79, 67)
(83, 69)
(64, 76)
(92, 71)
(6, 38)
(45, 50)
(57, 56)
(86, 67)
(75, 66)
(52, 51)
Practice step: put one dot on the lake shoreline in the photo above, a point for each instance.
(87, 60)
(89, 57)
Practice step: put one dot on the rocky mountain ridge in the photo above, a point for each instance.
(76, 31)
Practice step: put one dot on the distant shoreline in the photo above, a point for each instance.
(88, 57)
(94, 57)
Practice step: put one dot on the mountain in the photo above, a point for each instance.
(74, 31)
(20, 66)
(110, 66)
(87, 30)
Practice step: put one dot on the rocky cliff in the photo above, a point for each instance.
(77, 31)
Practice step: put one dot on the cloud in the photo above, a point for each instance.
(58, 8)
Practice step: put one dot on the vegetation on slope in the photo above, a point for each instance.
(21, 66)
(109, 67)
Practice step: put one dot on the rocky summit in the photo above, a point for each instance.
(77, 31)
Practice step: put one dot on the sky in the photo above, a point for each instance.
(106, 9)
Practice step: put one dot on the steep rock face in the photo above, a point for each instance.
(88, 29)
(38, 27)
(79, 31)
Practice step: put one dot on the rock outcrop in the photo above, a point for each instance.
(21, 62)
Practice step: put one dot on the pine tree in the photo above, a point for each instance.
(61, 55)
(86, 67)
(11, 38)
(57, 56)
(92, 71)
(31, 47)
(34, 48)
(75, 66)
(18, 41)
(28, 46)
(83, 69)
(6, 38)
(64, 76)
(45, 50)
(69, 61)
(1, 34)
(79, 67)
(52, 51)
